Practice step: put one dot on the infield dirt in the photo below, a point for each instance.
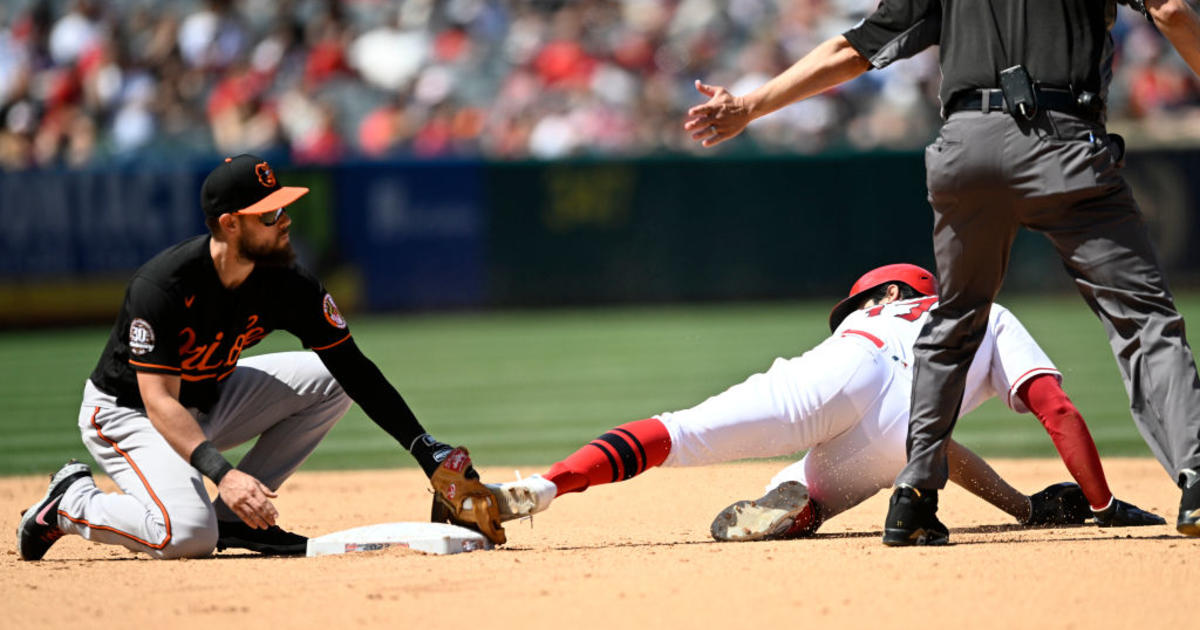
(635, 554)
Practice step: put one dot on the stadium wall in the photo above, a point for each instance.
(421, 235)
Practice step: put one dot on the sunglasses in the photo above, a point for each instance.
(270, 218)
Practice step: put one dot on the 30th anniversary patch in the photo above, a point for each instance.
(141, 337)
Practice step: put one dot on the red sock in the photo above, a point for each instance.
(1046, 399)
(620, 454)
(806, 523)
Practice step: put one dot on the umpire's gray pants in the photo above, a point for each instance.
(287, 400)
(988, 175)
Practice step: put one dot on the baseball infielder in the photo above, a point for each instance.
(846, 402)
(171, 391)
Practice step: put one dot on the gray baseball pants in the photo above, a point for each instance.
(988, 175)
(288, 400)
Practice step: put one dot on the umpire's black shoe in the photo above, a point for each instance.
(271, 541)
(38, 530)
(912, 519)
(1189, 504)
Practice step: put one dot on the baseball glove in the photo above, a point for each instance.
(462, 500)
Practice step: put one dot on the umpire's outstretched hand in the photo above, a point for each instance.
(249, 499)
(721, 118)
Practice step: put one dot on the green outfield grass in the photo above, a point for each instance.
(526, 388)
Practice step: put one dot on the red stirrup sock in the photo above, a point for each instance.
(806, 523)
(1046, 399)
(620, 454)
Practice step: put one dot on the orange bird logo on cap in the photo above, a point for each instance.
(266, 176)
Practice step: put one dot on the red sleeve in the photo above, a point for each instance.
(1046, 399)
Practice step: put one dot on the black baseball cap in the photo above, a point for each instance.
(245, 184)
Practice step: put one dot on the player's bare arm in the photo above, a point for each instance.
(724, 116)
(244, 494)
(971, 472)
(160, 394)
(1181, 26)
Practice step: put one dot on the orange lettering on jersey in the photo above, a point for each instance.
(253, 335)
(188, 353)
(188, 301)
(239, 344)
(196, 357)
(210, 349)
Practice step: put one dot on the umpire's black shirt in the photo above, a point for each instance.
(1062, 43)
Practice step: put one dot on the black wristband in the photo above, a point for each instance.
(430, 454)
(426, 450)
(210, 462)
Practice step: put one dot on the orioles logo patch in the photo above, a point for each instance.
(141, 337)
(332, 314)
(266, 176)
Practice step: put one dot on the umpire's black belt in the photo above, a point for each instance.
(1057, 99)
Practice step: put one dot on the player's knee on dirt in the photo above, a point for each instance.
(194, 543)
(190, 527)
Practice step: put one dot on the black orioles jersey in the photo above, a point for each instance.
(178, 318)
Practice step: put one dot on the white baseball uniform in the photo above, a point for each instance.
(846, 401)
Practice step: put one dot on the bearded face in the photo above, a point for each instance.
(273, 251)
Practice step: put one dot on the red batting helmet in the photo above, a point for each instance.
(919, 279)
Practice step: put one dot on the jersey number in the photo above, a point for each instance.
(919, 308)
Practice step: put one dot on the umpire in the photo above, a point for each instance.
(1023, 144)
(171, 390)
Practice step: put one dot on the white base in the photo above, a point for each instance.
(438, 538)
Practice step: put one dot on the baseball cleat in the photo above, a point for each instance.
(912, 519)
(524, 497)
(272, 541)
(782, 513)
(38, 530)
(1189, 504)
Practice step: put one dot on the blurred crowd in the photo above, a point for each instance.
(94, 82)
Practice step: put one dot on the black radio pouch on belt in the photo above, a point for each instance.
(1018, 92)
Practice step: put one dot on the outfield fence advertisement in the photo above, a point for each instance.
(474, 234)
(415, 232)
